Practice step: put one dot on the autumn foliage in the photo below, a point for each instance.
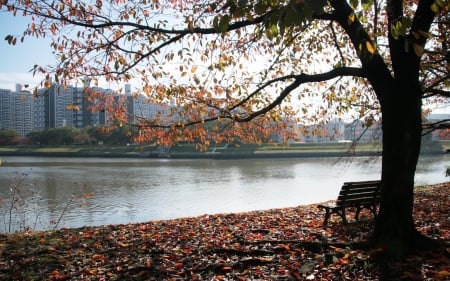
(254, 67)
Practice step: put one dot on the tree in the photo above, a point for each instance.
(8, 136)
(252, 63)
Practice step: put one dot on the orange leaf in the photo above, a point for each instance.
(98, 257)
(179, 265)
(92, 271)
(370, 47)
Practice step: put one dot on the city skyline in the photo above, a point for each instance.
(21, 112)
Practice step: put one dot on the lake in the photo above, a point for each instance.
(128, 190)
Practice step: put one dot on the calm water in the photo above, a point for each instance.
(137, 190)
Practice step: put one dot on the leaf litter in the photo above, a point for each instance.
(275, 244)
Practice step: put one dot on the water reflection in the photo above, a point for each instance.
(133, 190)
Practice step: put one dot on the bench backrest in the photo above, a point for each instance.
(359, 193)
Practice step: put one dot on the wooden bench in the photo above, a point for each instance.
(359, 195)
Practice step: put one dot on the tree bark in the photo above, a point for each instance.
(394, 229)
(400, 96)
(401, 108)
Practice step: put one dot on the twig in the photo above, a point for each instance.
(14, 190)
(64, 211)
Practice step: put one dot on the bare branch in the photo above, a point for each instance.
(298, 80)
(439, 125)
(437, 92)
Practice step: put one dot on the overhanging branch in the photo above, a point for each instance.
(439, 125)
(298, 80)
(437, 92)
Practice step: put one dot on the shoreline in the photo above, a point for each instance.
(226, 151)
(204, 155)
(199, 155)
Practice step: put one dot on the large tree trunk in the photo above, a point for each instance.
(399, 93)
(401, 111)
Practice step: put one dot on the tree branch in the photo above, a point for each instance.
(437, 92)
(298, 80)
(374, 67)
(107, 23)
(439, 125)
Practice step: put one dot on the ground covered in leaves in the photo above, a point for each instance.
(278, 244)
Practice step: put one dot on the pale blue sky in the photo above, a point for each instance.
(16, 61)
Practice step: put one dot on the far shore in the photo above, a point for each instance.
(219, 151)
(195, 155)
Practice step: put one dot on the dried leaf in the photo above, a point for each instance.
(351, 19)
(418, 49)
(370, 47)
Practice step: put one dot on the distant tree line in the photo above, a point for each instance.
(108, 135)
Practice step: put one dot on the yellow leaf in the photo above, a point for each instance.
(439, 3)
(425, 34)
(435, 8)
(351, 19)
(193, 69)
(418, 50)
(370, 47)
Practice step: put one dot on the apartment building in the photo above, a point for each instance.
(16, 110)
(61, 106)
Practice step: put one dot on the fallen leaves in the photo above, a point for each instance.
(280, 244)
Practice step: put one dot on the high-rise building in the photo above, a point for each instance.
(61, 106)
(16, 111)
(66, 106)
(59, 101)
(6, 109)
(23, 113)
(39, 111)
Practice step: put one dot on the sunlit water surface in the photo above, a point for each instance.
(138, 190)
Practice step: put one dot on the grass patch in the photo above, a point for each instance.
(57, 149)
(8, 149)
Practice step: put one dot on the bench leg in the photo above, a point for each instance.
(344, 218)
(358, 210)
(327, 216)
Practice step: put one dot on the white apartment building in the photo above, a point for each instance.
(16, 111)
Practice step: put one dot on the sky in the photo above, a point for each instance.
(17, 61)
